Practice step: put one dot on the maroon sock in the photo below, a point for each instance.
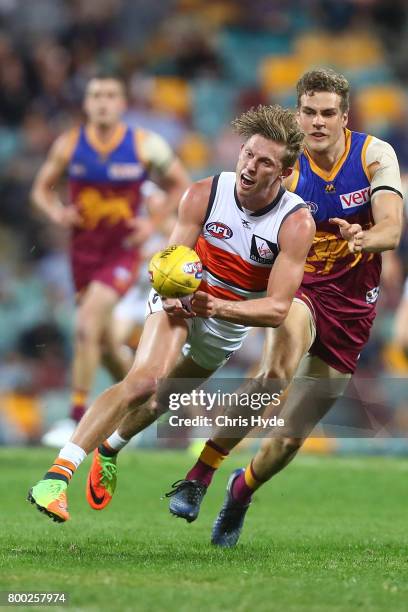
(240, 490)
(77, 412)
(202, 470)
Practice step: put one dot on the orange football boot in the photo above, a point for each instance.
(101, 483)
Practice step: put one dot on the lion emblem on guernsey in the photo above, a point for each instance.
(94, 208)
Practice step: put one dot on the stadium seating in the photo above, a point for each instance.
(171, 95)
(379, 106)
(278, 75)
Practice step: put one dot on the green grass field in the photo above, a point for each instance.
(326, 534)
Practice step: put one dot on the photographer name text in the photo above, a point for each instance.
(254, 420)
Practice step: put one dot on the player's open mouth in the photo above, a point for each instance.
(318, 135)
(246, 181)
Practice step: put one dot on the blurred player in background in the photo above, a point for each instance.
(129, 313)
(351, 180)
(247, 205)
(107, 163)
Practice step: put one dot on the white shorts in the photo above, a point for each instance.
(132, 306)
(210, 342)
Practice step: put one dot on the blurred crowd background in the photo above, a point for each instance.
(191, 66)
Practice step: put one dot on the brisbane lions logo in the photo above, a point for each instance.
(95, 207)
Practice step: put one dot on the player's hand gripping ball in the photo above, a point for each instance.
(175, 272)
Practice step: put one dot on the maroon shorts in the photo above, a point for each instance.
(342, 325)
(118, 272)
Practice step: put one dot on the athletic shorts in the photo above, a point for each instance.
(132, 306)
(119, 272)
(342, 330)
(210, 342)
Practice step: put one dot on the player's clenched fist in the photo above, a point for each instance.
(66, 216)
(177, 307)
(204, 305)
(352, 232)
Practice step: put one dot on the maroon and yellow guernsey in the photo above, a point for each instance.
(104, 183)
(340, 287)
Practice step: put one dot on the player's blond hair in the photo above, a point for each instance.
(274, 123)
(324, 79)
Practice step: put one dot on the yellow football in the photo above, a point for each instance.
(175, 272)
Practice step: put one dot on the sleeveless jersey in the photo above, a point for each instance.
(105, 188)
(238, 247)
(345, 193)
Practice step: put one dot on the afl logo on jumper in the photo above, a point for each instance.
(313, 207)
(216, 229)
(263, 251)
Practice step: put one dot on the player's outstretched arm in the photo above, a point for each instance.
(295, 239)
(386, 203)
(174, 182)
(385, 234)
(386, 198)
(43, 193)
(165, 168)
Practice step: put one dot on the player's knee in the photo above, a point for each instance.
(154, 409)
(138, 388)
(278, 370)
(108, 349)
(280, 448)
(105, 349)
(289, 445)
(86, 331)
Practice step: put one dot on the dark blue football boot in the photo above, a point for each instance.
(230, 520)
(186, 498)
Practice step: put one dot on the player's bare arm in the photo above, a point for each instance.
(174, 181)
(165, 168)
(386, 204)
(44, 195)
(191, 213)
(296, 236)
(169, 173)
(386, 232)
(385, 235)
